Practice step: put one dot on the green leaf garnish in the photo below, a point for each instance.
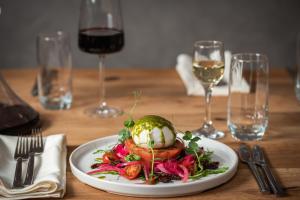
(124, 134)
(188, 135)
(106, 172)
(129, 123)
(98, 160)
(207, 172)
(195, 139)
(150, 143)
(99, 151)
(193, 146)
(132, 157)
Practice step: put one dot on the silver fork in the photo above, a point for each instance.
(36, 147)
(21, 152)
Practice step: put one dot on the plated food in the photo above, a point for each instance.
(149, 149)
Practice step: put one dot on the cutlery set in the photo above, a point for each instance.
(27, 148)
(257, 162)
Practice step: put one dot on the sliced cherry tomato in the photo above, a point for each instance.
(132, 171)
(109, 157)
(146, 154)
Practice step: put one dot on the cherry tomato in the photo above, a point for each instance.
(132, 171)
(109, 157)
(146, 154)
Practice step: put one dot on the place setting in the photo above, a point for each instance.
(135, 150)
(33, 166)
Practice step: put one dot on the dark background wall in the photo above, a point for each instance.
(157, 30)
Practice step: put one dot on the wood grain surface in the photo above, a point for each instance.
(163, 94)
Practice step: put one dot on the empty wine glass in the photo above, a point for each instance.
(101, 33)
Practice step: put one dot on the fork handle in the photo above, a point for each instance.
(29, 173)
(18, 174)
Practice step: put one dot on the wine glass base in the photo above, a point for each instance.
(103, 112)
(209, 133)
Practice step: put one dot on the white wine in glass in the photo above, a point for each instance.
(209, 72)
(208, 67)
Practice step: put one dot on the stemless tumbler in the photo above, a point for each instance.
(248, 96)
(55, 77)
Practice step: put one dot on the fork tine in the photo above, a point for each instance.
(41, 140)
(31, 144)
(36, 140)
(26, 146)
(21, 145)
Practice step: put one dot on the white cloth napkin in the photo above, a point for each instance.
(50, 169)
(193, 86)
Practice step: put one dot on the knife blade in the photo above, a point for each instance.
(246, 157)
(261, 161)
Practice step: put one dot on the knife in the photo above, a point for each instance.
(246, 157)
(256, 158)
(261, 161)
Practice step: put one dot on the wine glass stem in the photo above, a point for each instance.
(102, 80)
(207, 118)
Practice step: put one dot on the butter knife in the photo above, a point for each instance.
(261, 161)
(246, 157)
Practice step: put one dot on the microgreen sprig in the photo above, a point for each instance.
(150, 145)
(193, 147)
(129, 123)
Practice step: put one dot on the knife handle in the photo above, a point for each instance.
(275, 185)
(259, 179)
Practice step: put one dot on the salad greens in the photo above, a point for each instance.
(202, 157)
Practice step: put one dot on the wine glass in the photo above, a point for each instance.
(208, 67)
(101, 33)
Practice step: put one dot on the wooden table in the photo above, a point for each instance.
(164, 94)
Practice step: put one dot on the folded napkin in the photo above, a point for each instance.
(50, 169)
(185, 70)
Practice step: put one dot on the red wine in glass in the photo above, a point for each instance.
(101, 32)
(101, 40)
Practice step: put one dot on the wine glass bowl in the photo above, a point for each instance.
(208, 67)
(101, 33)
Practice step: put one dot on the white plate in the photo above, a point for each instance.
(82, 158)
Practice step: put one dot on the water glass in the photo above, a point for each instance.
(248, 96)
(55, 74)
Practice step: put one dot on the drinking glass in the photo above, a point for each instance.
(248, 96)
(101, 33)
(208, 67)
(55, 74)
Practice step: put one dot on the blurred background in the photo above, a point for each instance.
(157, 31)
